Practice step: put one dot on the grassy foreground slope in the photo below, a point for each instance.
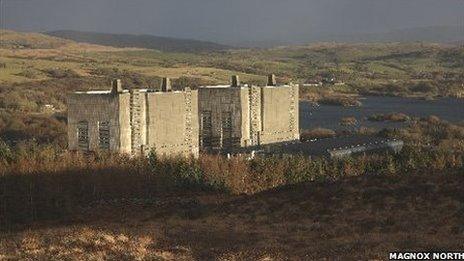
(355, 218)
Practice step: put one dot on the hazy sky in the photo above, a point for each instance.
(232, 21)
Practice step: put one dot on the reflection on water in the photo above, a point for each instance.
(328, 116)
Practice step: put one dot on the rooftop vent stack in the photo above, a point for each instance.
(235, 81)
(166, 85)
(271, 80)
(116, 86)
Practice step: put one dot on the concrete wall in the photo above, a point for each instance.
(261, 115)
(138, 121)
(172, 122)
(245, 120)
(255, 115)
(218, 102)
(97, 108)
(279, 113)
(124, 124)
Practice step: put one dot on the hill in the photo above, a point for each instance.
(22, 40)
(166, 44)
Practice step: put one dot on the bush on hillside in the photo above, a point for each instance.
(318, 133)
(345, 101)
(28, 73)
(393, 117)
(348, 121)
(59, 73)
(424, 87)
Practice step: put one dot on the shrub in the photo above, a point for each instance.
(17, 101)
(346, 101)
(317, 133)
(394, 117)
(44, 129)
(129, 79)
(348, 121)
(182, 82)
(6, 155)
(59, 73)
(424, 87)
(28, 73)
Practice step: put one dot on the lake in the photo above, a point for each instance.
(328, 116)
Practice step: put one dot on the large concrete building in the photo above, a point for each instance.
(134, 122)
(240, 115)
(170, 122)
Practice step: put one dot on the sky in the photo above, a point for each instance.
(232, 21)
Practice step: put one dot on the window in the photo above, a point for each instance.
(83, 135)
(226, 129)
(206, 129)
(104, 135)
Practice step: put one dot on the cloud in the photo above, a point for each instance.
(232, 21)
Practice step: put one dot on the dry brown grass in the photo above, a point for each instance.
(327, 96)
(340, 100)
(394, 117)
(352, 218)
(86, 243)
(317, 133)
(348, 121)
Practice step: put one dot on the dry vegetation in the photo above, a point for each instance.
(394, 117)
(328, 96)
(348, 121)
(346, 101)
(356, 218)
(317, 133)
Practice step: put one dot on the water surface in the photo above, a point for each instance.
(329, 116)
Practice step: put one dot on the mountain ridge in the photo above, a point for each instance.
(167, 44)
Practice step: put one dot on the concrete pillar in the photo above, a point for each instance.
(166, 85)
(116, 86)
(235, 81)
(271, 80)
